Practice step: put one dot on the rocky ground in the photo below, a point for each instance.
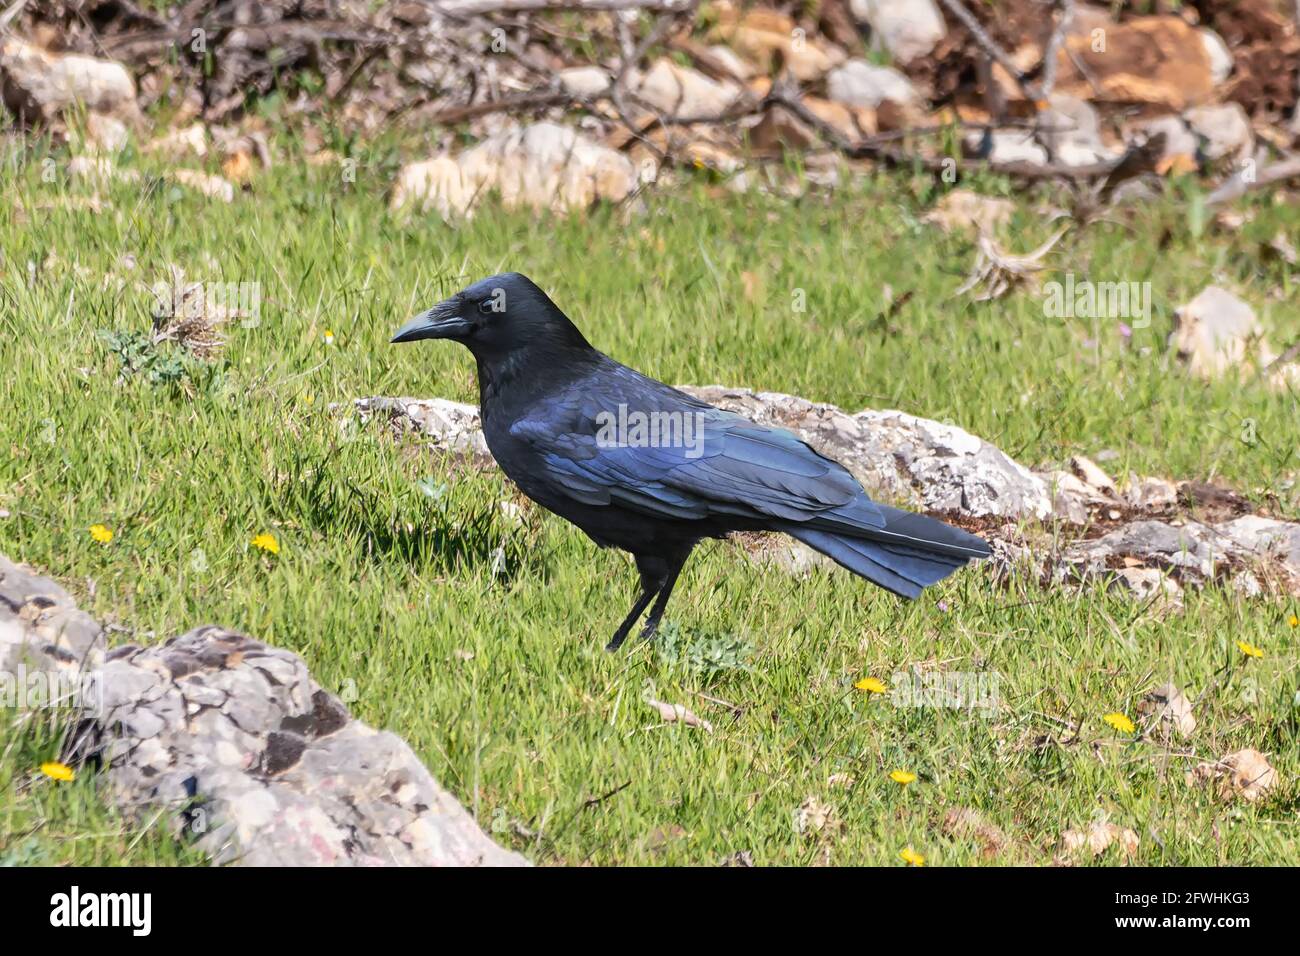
(565, 106)
(1148, 536)
(246, 755)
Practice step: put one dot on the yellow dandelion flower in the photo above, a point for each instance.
(872, 685)
(902, 777)
(1250, 650)
(58, 771)
(1293, 621)
(266, 542)
(911, 857)
(1120, 723)
(101, 533)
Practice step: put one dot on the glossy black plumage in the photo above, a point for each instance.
(548, 401)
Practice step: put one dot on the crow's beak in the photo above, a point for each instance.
(443, 321)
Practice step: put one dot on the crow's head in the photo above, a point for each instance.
(495, 317)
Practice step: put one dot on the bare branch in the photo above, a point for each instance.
(1237, 186)
(465, 8)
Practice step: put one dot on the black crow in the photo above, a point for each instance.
(640, 466)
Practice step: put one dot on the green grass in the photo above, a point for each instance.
(500, 681)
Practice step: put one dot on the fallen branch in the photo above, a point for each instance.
(464, 8)
(876, 147)
(1237, 186)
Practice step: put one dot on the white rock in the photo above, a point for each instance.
(1092, 475)
(214, 187)
(543, 166)
(188, 141)
(1221, 62)
(1073, 131)
(588, 81)
(906, 28)
(741, 68)
(1145, 584)
(42, 84)
(673, 89)
(1226, 129)
(1009, 146)
(1266, 537)
(1213, 331)
(106, 134)
(1152, 493)
(859, 83)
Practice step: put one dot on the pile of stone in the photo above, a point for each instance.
(720, 84)
(256, 763)
(1148, 537)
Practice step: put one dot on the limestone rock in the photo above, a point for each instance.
(588, 81)
(1157, 544)
(41, 85)
(859, 83)
(908, 29)
(453, 426)
(899, 457)
(255, 762)
(673, 89)
(542, 166)
(1224, 129)
(1214, 332)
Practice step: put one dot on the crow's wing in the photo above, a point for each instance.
(719, 463)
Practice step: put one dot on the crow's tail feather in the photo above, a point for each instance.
(925, 558)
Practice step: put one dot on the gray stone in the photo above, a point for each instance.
(1225, 129)
(1213, 333)
(1266, 538)
(453, 426)
(1154, 543)
(908, 29)
(1072, 131)
(259, 765)
(859, 83)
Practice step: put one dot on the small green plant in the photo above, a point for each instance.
(702, 652)
(160, 363)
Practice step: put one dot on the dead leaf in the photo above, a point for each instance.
(671, 713)
(965, 822)
(1099, 837)
(813, 816)
(962, 209)
(238, 167)
(660, 837)
(1170, 708)
(1246, 774)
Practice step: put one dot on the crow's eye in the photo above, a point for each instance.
(486, 306)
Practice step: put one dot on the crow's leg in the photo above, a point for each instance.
(625, 628)
(665, 591)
